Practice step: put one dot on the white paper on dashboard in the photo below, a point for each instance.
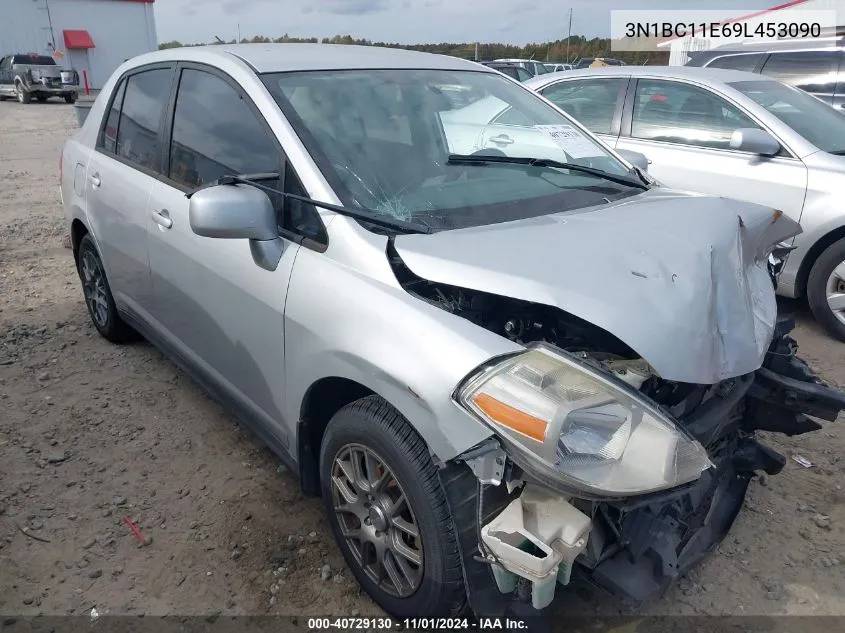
(571, 140)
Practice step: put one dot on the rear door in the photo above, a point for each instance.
(685, 129)
(119, 176)
(596, 103)
(512, 133)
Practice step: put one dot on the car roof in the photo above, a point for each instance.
(718, 75)
(268, 58)
(773, 46)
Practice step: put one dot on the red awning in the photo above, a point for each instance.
(78, 39)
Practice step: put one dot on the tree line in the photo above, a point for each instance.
(555, 51)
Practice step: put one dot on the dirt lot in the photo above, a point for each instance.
(91, 433)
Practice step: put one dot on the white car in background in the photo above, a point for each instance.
(733, 134)
(531, 65)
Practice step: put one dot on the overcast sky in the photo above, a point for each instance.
(408, 21)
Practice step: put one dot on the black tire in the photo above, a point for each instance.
(374, 424)
(817, 284)
(71, 98)
(105, 316)
(23, 96)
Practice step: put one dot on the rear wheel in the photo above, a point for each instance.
(388, 511)
(98, 297)
(826, 289)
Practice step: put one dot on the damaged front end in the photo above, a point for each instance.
(533, 530)
(625, 432)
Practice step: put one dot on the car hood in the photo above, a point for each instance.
(680, 278)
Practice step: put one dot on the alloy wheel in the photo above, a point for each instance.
(19, 91)
(376, 519)
(835, 291)
(94, 288)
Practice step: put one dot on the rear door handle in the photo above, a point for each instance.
(95, 180)
(162, 218)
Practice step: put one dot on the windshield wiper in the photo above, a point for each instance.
(481, 159)
(365, 215)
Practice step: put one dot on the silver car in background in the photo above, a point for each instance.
(734, 134)
(495, 366)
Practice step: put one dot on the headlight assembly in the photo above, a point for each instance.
(564, 420)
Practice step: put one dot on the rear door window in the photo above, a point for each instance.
(592, 102)
(109, 142)
(145, 98)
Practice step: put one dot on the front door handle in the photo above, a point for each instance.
(95, 180)
(502, 139)
(162, 218)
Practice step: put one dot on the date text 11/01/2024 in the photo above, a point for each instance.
(727, 30)
(417, 624)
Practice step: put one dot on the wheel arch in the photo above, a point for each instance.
(322, 400)
(78, 230)
(812, 255)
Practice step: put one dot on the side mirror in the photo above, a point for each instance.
(635, 158)
(233, 212)
(754, 141)
(238, 212)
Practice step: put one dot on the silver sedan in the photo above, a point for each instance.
(523, 359)
(731, 134)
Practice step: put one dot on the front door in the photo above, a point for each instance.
(219, 310)
(685, 131)
(119, 176)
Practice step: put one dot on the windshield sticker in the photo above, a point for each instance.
(571, 141)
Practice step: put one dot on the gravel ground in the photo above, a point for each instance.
(91, 433)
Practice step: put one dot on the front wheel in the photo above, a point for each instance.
(388, 512)
(70, 98)
(826, 289)
(98, 297)
(23, 95)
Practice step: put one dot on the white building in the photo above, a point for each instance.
(93, 36)
(679, 47)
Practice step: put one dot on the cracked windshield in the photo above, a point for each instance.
(432, 146)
